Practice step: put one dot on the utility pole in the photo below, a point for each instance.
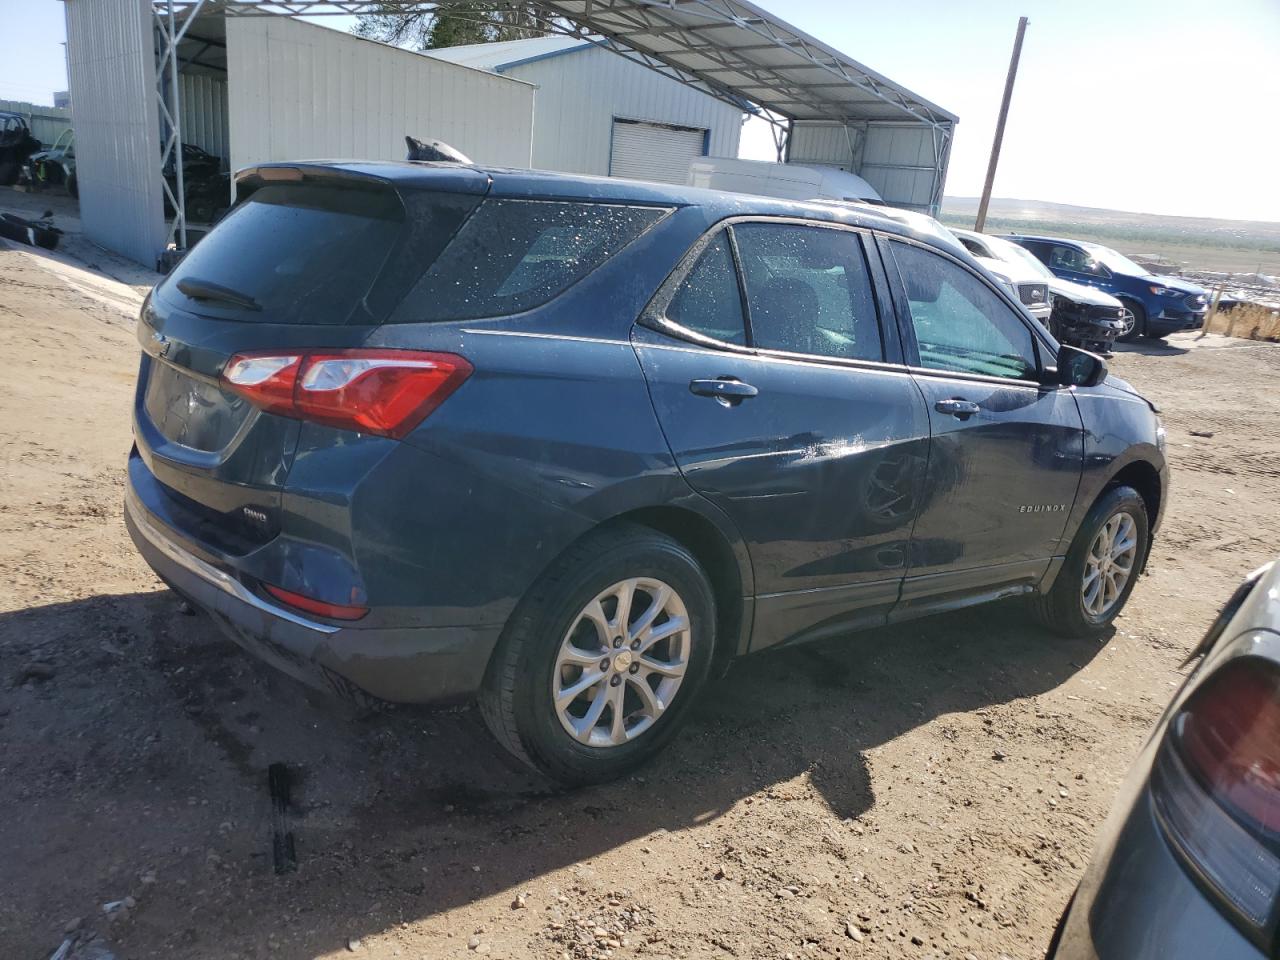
(1004, 115)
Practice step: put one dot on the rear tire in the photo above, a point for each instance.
(1097, 562)
(8, 173)
(1134, 310)
(575, 614)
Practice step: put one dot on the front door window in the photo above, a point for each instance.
(960, 324)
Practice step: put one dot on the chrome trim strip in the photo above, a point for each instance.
(756, 353)
(210, 574)
(808, 591)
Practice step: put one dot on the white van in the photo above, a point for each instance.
(786, 181)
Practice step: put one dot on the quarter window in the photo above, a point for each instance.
(808, 291)
(513, 255)
(960, 324)
(708, 300)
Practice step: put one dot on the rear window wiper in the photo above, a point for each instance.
(198, 289)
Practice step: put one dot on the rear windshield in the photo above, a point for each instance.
(303, 253)
(513, 255)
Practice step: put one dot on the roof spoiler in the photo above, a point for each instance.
(250, 178)
(367, 175)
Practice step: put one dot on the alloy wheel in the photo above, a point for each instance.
(1109, 564)
(621, 662)
(1129, 321)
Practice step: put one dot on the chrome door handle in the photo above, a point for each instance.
(727, 390)
(957, 407)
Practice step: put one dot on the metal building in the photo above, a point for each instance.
(288, 93)
(598, 113)
(111, 63)
(298, 90)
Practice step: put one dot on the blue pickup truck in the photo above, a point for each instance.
(1154, 306)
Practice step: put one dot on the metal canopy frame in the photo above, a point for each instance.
(728, 49)
(170, 29)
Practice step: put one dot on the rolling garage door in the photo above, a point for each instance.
(654, 151)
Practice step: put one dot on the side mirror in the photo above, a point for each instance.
(1080, 368)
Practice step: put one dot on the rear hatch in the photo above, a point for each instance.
(312, 257)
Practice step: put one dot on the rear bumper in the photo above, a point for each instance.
(399, 664)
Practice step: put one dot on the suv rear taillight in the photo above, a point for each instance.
(385, 392)
(1216, 789)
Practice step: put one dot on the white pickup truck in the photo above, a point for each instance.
(1074, 313)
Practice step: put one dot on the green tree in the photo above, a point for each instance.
(452, 25)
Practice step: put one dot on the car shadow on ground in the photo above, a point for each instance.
(147, 751)
(1150, 347)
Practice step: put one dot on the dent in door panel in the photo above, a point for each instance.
(1023, 448)
(823, 506)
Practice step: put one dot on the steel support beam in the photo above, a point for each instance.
(170, 28)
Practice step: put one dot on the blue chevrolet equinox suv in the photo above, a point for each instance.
(422, 432)
(1154, 306)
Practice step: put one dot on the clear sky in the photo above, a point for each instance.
(1163, 106)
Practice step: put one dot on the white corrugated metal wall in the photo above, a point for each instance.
(204, 114)
(898, 159)
(826, 144)
(111, 61)
(579, 94)
(46, 123)
(299, 91)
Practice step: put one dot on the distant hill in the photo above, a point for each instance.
(1198, 243)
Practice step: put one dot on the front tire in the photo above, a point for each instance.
(1101, 567)
(1135, 318)
(603, 658)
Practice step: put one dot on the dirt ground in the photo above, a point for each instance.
(923, 791)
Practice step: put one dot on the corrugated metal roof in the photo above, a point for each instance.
(745, 51)
(507, 53)
(731, 49)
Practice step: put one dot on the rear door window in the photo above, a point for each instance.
(302, 253)
(809, 290)
(513, 255)
(708, 300)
